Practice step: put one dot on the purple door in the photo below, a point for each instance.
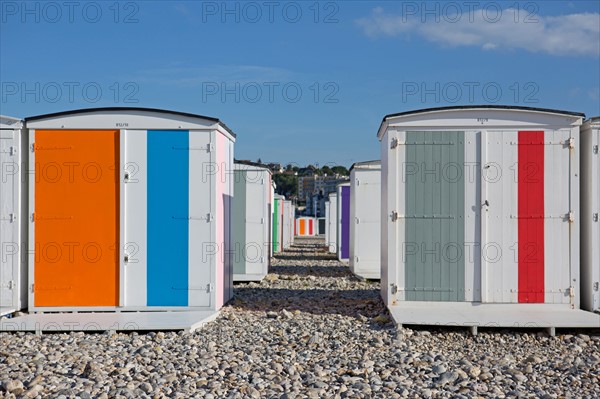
(345, 244)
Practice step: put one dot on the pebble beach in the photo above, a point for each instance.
(309, 330)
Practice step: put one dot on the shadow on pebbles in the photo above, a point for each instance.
(309, 330)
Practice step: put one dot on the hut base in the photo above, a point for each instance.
(474, 315)
(119, 321)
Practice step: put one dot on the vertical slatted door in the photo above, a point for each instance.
(345, 222)
(239, 222)
(255, 249)
(434, 216)
(500, 228)
(9, 242)
(276, 226)
(367, 228)
(526, 228)
(76, 218)
(167, 219)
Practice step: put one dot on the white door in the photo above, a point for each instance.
(153, 168)
(256, 251)
(9, 241)
(526, 205)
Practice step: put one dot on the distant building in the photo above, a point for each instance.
(314, 189)
(275, 167)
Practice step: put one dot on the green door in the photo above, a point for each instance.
(275, 237)
(435, 206)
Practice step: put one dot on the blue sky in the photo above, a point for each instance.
(300, 82)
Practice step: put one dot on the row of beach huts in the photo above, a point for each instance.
(133, 218)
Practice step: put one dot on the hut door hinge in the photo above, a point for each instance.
(394, 216)
(32, 288)
(571, 142)
(12, 151)
(394, 288)
(571, 217)
(571, 295)
(595, 217)
(595, 149)
(394, 143)
(210, 148)
(10, 285)
(596, 286)
(32, 147)
(209, 287)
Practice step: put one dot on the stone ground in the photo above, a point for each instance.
(309, 330)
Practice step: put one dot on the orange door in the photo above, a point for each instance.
(76, 218)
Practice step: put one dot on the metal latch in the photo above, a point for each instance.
(596, 286)
(357, 220)
(571, 142)
(12, 218)
(210, 148)
(12, 150)
(32, 287)
(126, 177)
(394, 216)
(572, 294)
(571, 217)
(394, 288)
(32, 147)
(126, 259)
(209, 287)
(595, 217)
(595, 149)
(394, 143)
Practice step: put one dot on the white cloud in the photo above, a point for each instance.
(573, 34)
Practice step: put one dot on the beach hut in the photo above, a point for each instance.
(480, 206)
(343, 219)
(271, 218)
(306, 226)
(590, 211)
(365, 217)
(130, 210)
(288, 224)
(250, 220)
(331, 228)
(13, 217)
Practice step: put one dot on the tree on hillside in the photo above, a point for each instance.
(327, 170)
(340, 170)
(286, 184)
